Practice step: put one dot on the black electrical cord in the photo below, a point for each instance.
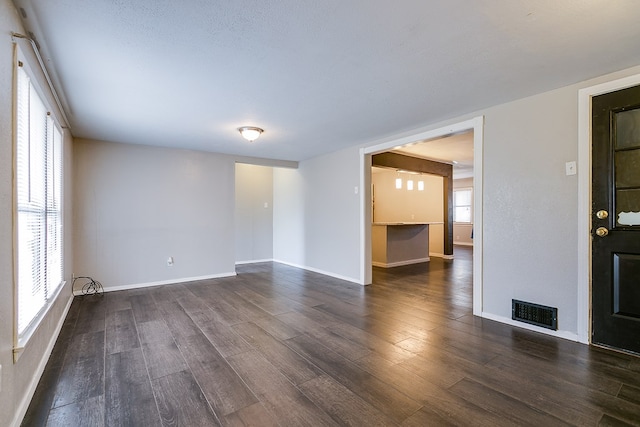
(92, 287)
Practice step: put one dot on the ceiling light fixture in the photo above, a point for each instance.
(250, 133)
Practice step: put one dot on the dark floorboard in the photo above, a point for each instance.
(283, 346)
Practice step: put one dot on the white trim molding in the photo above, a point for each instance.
(35, 378)
(253, 261)
(317, 270)
(567, 335)
(400, 263)
(462, 244)
(584, 197)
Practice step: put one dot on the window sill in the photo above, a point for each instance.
(23, 340)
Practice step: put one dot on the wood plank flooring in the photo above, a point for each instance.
(282, 346)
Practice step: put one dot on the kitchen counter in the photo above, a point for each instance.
(400, 243)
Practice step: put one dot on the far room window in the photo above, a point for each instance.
(38, 182)
(462, 205)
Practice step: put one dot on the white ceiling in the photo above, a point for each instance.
(318, 76)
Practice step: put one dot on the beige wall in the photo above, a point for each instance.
(463, 183)
(393, 205)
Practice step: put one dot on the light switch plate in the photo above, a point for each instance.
(570, 168)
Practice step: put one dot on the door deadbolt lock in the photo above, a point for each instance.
(601, 231)
(602, 214)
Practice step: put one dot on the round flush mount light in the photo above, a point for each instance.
(250, 133)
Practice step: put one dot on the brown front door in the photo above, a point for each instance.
(615, 223)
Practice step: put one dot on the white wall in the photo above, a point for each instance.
(316, 214)
(254, 213)
(402, 205)
(137, 205)
(461, 231)
(530, 206)
(18, 381)
(288, 216)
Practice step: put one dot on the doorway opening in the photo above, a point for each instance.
(366, 214)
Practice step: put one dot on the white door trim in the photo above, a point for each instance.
(477, 125)
(584, 197)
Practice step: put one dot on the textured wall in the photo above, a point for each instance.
(316, 217)
(288, 216)
(254, 220)
(530, 205)
(137, 205)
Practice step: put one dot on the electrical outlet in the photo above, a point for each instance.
(170, 261)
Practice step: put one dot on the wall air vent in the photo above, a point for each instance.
(536, 314)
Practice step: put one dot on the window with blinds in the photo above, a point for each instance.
(462, 205)
(39, 213)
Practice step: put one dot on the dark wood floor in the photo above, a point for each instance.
(281, 346)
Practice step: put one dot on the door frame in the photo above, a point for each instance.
(584, 197)
(475, 124)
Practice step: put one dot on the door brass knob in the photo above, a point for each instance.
(602, 214)
(601, 231)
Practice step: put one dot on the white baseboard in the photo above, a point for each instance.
(160, 283)
(443, 256)
(400, 263)
(316, 270)
(571, 336)
(253, 261)
(462, 244)
(35, 379)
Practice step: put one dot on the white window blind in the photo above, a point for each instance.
(39, 191)
(462, 205)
